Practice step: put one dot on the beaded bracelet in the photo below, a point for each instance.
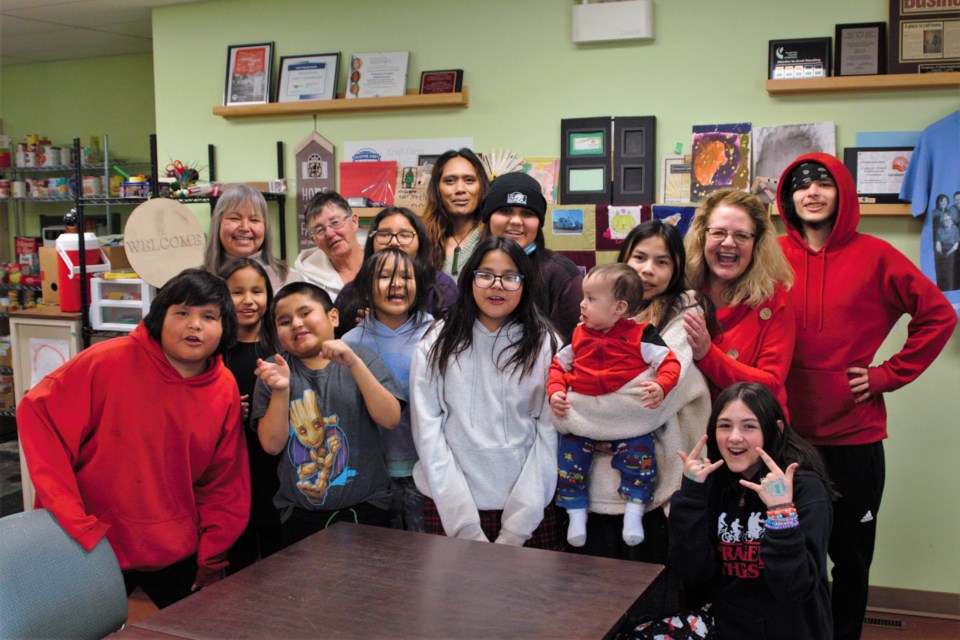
(782, 519)
(785, 505)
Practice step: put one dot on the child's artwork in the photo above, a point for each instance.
(774, 148)
(680, 217)
(570, 227)
(614, 222)
(372, 180)
(544, 171)
(721, 158)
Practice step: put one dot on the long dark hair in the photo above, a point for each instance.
(435, 217)
(672, 302)
(784, 445)
(423, 257)
(366, 283)
(456, 334)
(267, 342)
(194, 288)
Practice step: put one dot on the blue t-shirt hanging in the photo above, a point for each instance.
(932, 186)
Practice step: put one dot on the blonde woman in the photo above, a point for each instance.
(734, 259)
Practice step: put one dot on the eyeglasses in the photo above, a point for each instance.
(740, 237)
(332, 223)
(509, 281)
(404, 238)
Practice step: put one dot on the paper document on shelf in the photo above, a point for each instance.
(45, 356)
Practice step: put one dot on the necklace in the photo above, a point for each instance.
(455, 269)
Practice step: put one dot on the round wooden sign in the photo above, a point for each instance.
(162, 238)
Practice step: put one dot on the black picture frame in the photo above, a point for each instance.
(249, 74)
(857, 45)
(853, 159)
(307, 67)
(798, 58)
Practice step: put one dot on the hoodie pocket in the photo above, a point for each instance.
(818, 398)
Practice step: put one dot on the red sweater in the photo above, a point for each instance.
(755, 345)
(596, 362)
(118, 444)
(848, 295)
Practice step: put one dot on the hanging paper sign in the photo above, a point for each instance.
(316, 173)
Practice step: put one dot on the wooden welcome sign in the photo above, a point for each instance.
(162, 238)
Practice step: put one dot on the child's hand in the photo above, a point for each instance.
(245, 407)
(361, 314)
(652, 394)
(695, 467)
(275, 374)
(560, 404)
(777, 486)
(338, 351)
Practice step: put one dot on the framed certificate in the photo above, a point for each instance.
(799, 58)
(924, 36)
(877, 171)
(378, 74)
(248, 74)
(308, 77)
(860, 49)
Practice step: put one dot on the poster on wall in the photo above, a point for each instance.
(316, 173)
(680, 217)
(721, 158)
(545, 171)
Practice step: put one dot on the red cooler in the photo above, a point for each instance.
(68, 267)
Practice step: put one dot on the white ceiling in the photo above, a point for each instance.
(47, 30)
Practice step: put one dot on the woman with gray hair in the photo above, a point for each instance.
(240, 228)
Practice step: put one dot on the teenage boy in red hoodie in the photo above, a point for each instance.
(850, 290)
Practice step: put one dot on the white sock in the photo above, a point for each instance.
(633, 524)
(577, 529)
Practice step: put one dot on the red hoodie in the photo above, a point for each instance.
(118, 444)
(847, 297)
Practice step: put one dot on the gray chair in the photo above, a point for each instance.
(50, 587)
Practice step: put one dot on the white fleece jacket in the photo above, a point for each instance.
(485, 438)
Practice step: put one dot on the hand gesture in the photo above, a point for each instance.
(694, 467)
(859, 383)
(560, 404)
(776, 488)
(275, 374)
(338, 351)
(697, 334)
(245, 407)
(652, 394)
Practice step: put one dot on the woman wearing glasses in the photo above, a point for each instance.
(240, 228)
(515, 208)
(337, 258)
(478, 404)
(400, 228)
(733, 257)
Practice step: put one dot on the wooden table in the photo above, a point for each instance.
(354, 581)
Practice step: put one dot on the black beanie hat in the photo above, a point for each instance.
(515, 189)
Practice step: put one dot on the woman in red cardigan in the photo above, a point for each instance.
(734, 259)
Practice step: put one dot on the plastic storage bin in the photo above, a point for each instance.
(119, 305)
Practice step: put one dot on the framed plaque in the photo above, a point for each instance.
(449, 81)
(799, 58)
(861, 49)
(374, 75)
(877, 171)
(248, 74)
(308, 77)
(924, 36)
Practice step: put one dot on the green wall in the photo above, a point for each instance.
(80, 98)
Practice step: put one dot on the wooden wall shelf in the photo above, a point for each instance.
(851, 84)
(413, 100)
